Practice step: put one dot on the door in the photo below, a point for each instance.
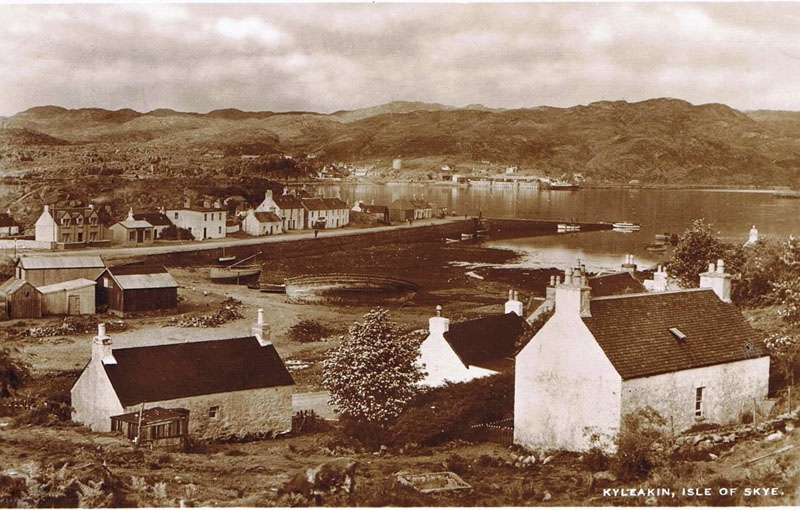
(140, 236)
(74, 305)
(204, 232)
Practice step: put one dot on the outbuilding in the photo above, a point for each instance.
(20, 300)
(136, 288)
(132, 232)
(74, 297)
(47, 270)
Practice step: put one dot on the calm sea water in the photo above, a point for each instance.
(732, 214)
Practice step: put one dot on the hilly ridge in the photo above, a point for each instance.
(659, 140)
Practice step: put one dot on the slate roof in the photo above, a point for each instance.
(156, 219)
(614, 284)
(267, 217)
(61, 262)
(488, 342)
(135, 224)
(288, 202)
(6, 220)
(141, 277)
(163, 372)
(323, 204)
(633, 331)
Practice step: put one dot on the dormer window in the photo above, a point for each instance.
(65, 221)
(93, 220)
(678, 334)
(79, 220)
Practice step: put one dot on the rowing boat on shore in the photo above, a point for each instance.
(236, 273)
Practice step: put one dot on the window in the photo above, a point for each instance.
(132, 235)
(106, 282)
(677, 333)
(65, 221)
(699, 408)
(205, 217)
(93, 220)
(219, 231)
(147, 235)
(176, 216)
(213, 412)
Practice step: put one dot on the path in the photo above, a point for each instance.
(117, 253)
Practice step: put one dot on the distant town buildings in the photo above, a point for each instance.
(70, 225)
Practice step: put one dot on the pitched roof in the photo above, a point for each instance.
(614, 284)
(288, 202)
(267, 217)
(323, 204)
(164, 372)
(374, 209)
(61, 262)
(6, 220)
(402, 204)
(488, 342)
(135, 224)
(142, 277)
(156, 219)
(12, 285)
(634, 332)
(79, 283)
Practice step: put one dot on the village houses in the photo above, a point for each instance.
(70, 225)
(234, 387)
(471, 349)
(8, 227)
(204, 222)
(324, 213)
(690, 355)
(132, 232)
(289, 209)
(262, 223)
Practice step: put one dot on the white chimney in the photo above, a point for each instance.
(130, 214)
(268, 195)
(513, 305)
(574, 294)
(46, 208)
(629, 265)
(753, 238)
(550, 291)
(187, 203)
(217, 204)
(438, 325)
(101, 347)
(261, 329)
(717, 280)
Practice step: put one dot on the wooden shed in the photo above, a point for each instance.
(75, 297)
(163, 429)
(20, 299)
(136, 288)
(47, 270)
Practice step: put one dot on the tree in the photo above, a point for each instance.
(372, 374)
(784, 349)
(698, 247)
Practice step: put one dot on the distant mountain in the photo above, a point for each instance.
(659, 140)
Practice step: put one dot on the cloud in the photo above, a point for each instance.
(325, 57)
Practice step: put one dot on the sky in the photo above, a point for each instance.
(327, 57)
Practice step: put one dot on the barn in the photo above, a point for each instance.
(75, 297)
(136, 288)
(20, 300)
(47, 270)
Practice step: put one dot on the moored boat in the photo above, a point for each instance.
(626, 225)
(236, 273)
(656, 247)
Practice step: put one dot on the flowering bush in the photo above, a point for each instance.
(372, 374)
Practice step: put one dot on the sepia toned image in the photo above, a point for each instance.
(399, 254)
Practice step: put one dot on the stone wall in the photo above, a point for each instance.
(729, 390)
(241, 413)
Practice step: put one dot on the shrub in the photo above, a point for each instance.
(370, 435)
(176, 233)
(641, 433)
(446, 413)
(308, 330)
(13, 373)
(595, 460)
(457, 464)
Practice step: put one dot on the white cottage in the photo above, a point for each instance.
(234, 387)
(471, 349)
(262, 223)
(690, 355)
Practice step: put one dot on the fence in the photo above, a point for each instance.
(307, 421)
(501, 431)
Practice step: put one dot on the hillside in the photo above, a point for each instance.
(656, 141)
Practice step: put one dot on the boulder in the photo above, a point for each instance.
(326, 478)
(775, 436)
(603, 479)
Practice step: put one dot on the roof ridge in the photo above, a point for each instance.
(190, 343)
(645, 294)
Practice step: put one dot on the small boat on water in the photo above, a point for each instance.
(626, 225)
(656, 247)
(568, 227)
(662, 237)
(226, 259)
(563, 186)
(786, 194)
(465, 236)
(450, 240)
(236, 273)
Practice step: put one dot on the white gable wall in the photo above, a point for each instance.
(94, 400)
(46, 228)
(565, 388)
(730, 389)
(442, 364)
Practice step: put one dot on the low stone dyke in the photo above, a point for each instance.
(348, 289)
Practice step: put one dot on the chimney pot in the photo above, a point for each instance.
(510, 294)
(261, 329)
(438, 310)
(711, 268)
(261, 316)
(720, 266)
(101, 329)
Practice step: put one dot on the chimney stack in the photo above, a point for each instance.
(261, 329)
(101, 347)
(717, 280)
(217, 204)
(629, 265)
(550, 291)
(574, 294)
(206, 203)
(46, 208)
(130, 214)
(513, 305)
(438, 325)
(187, 203)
